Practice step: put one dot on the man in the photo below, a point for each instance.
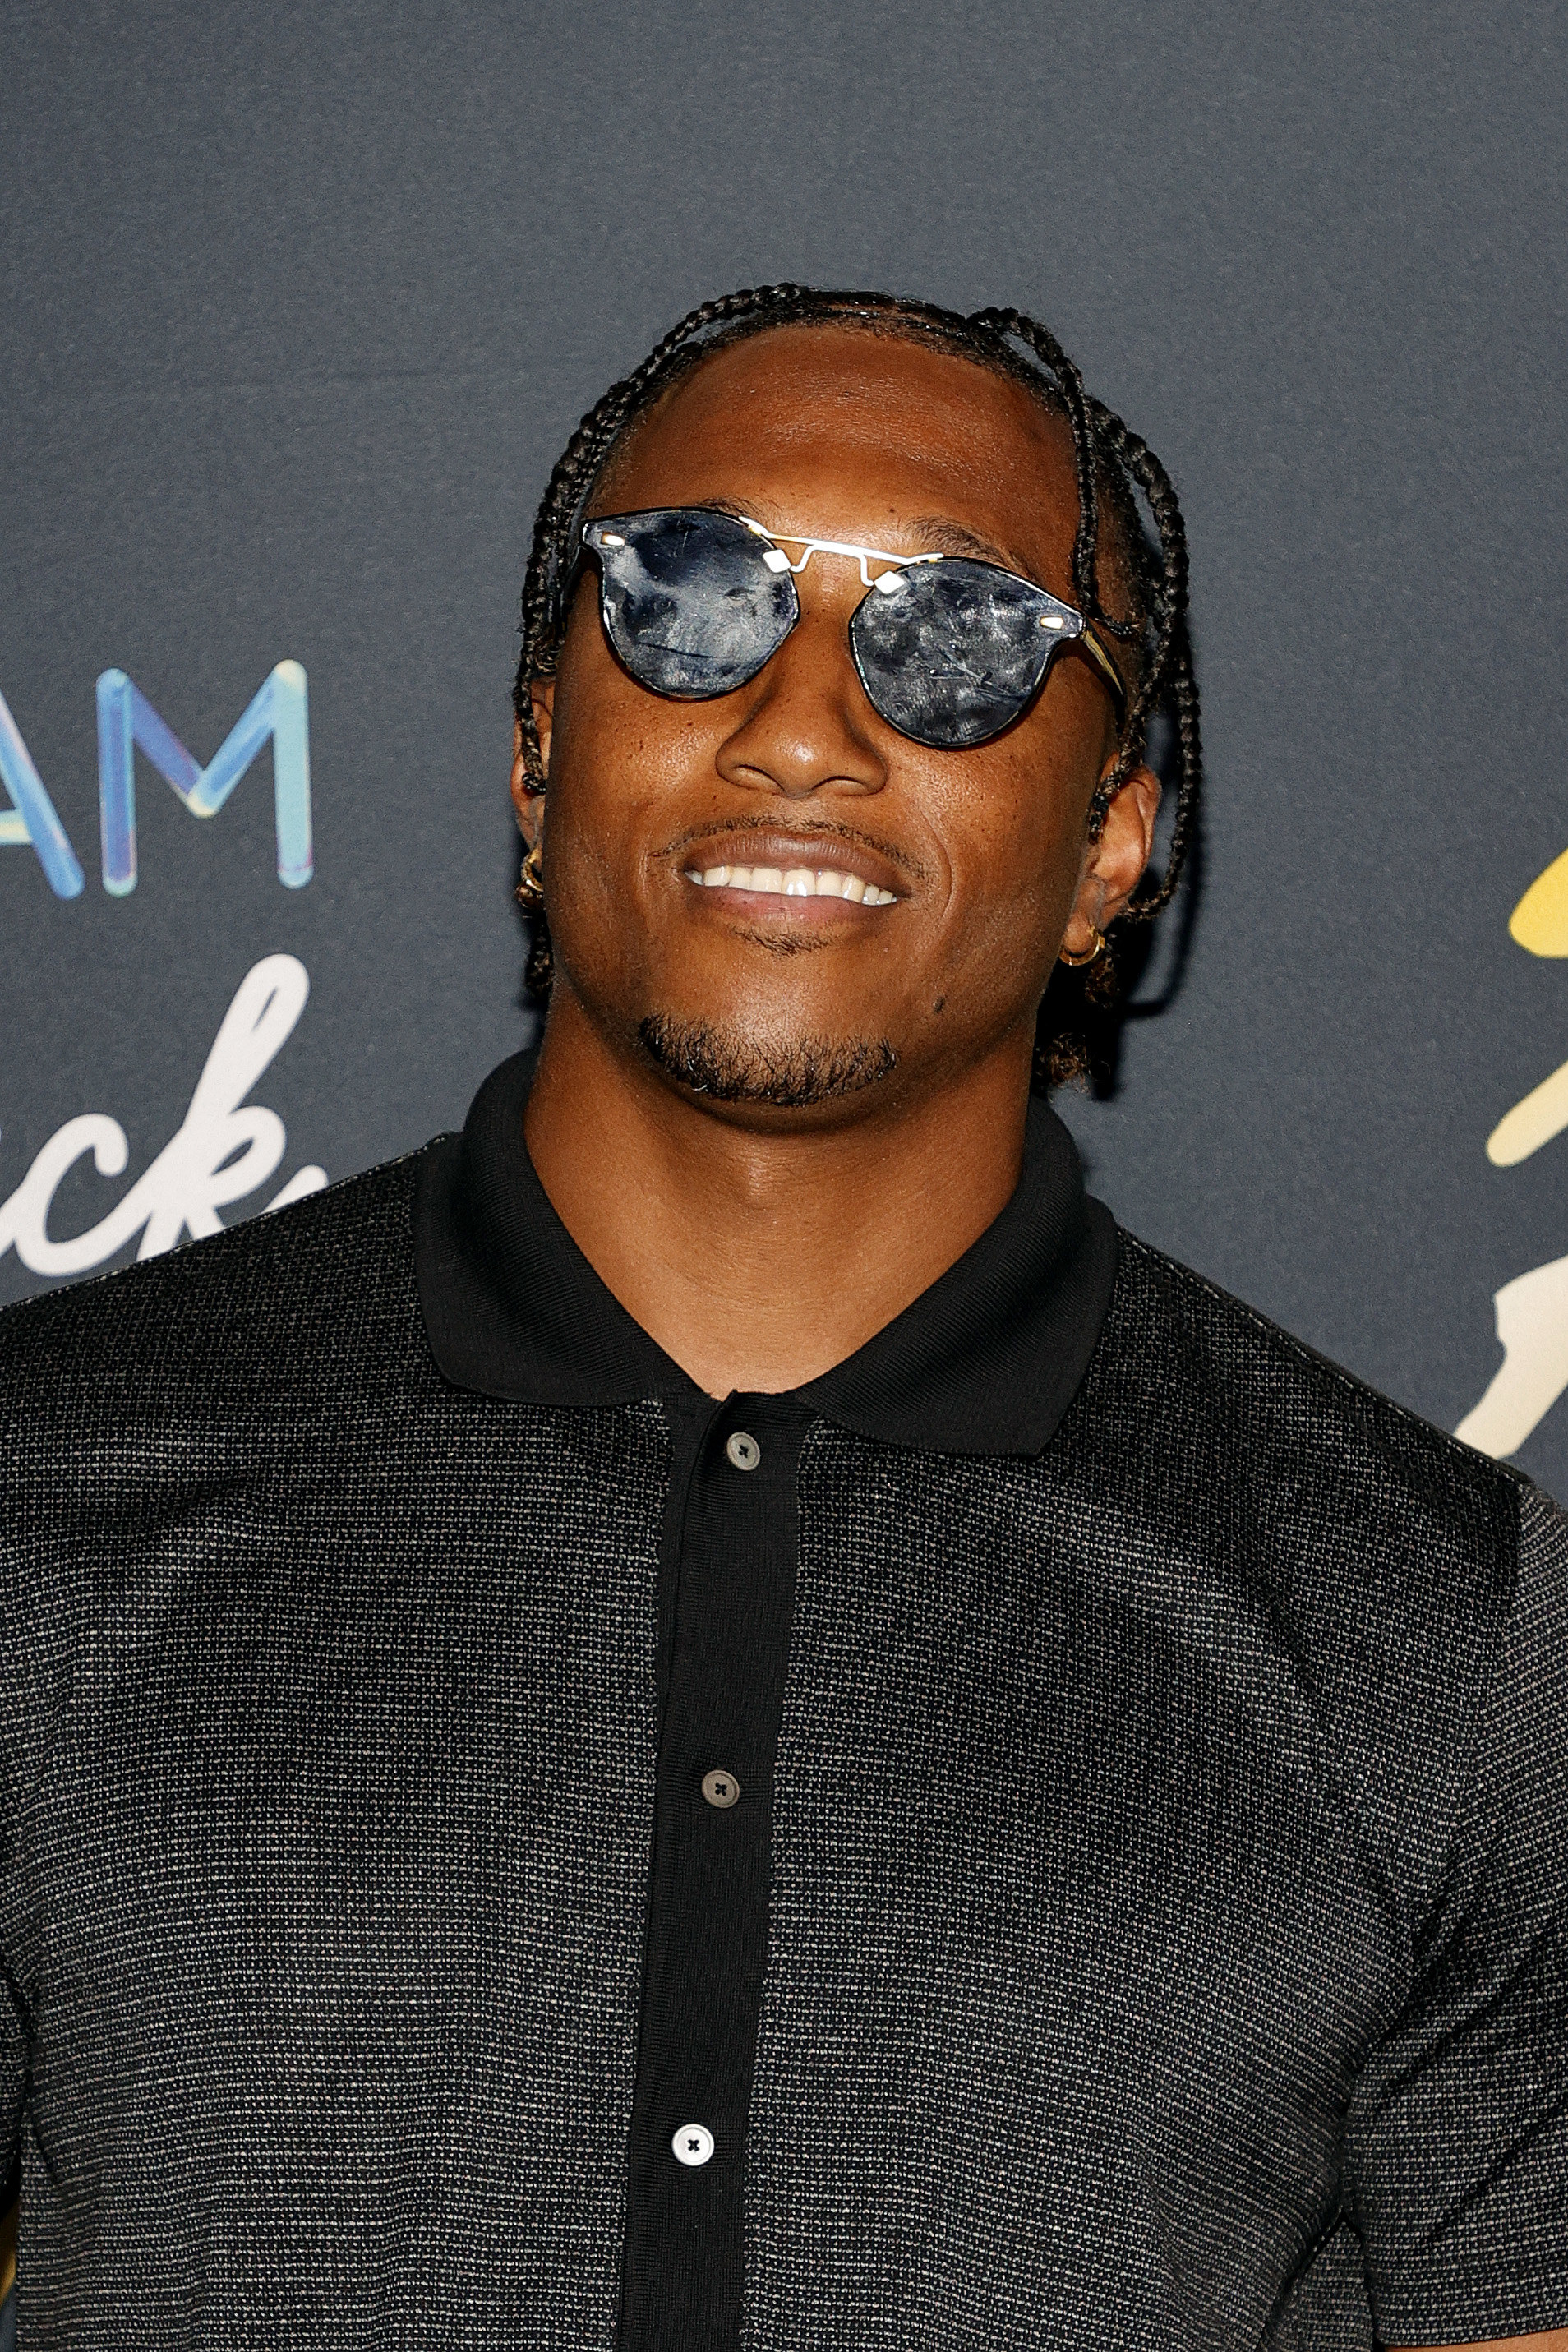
(713, 1713)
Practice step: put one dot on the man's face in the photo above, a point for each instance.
(971, 861)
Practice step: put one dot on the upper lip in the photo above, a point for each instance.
(820, 851)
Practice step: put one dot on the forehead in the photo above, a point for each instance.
(851, 434)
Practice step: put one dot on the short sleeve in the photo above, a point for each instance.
(1456, 2139)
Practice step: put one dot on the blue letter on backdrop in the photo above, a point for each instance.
(126, 720)
(31, 821)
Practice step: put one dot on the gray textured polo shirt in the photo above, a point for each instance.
(1163, 1881)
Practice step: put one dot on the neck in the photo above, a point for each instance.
(760, 1253)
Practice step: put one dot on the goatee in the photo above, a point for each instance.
(728, 1066)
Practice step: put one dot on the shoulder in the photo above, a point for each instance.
(331, 1275)
(176, 1438)
(1205, 1367)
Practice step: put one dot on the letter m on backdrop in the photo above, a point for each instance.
(127, 723)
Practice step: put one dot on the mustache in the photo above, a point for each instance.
(824, 830)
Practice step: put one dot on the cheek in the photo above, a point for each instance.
(1015, 839)
(608, 759)
(586, 713)
(619, 761)
(617, 746)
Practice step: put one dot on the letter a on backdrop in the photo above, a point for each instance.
(31, 821)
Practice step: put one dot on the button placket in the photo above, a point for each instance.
(735, 1572)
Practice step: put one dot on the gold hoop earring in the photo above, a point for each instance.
(1078, 962)
(530, 881)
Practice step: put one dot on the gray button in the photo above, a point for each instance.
(742, 1449)
(721, 1789)
(693, 2144)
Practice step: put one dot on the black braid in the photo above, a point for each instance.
(1069, 387)
(1112, 465)
(1168, 676)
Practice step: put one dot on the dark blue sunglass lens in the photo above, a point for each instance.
(689, 603)
(951, 653)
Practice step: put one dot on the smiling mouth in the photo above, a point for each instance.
(792, 882)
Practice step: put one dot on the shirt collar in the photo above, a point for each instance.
(985, 1362)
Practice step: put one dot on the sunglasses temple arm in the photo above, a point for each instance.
(1090, 642)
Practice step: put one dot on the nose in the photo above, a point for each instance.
(807, 727)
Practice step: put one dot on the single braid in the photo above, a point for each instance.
(1168, 677)
(1183, 699)
(1109, 461)
(1001, 323)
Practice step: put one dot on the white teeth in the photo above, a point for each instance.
(792, 882)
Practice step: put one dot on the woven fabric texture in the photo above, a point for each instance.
(1133, 1811)
(1168, 1858)
(327, 1724)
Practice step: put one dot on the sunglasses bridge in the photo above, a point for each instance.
(775, 559)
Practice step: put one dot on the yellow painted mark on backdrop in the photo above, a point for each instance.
(1542, 1114)
(1539, 922)
(1532, 1325)
(1532, 1310)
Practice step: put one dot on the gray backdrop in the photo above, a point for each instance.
(300, 302)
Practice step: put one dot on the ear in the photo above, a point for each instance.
(526, 802)
(1116, 861)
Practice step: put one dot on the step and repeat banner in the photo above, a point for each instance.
(299, 306)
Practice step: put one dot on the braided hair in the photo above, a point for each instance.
(1113, 467)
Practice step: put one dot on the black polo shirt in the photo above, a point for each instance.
(985, 1363)
(1062, 1818)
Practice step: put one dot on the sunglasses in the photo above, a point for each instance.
(950, 650)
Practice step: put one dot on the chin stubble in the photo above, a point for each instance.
(727, 1065)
